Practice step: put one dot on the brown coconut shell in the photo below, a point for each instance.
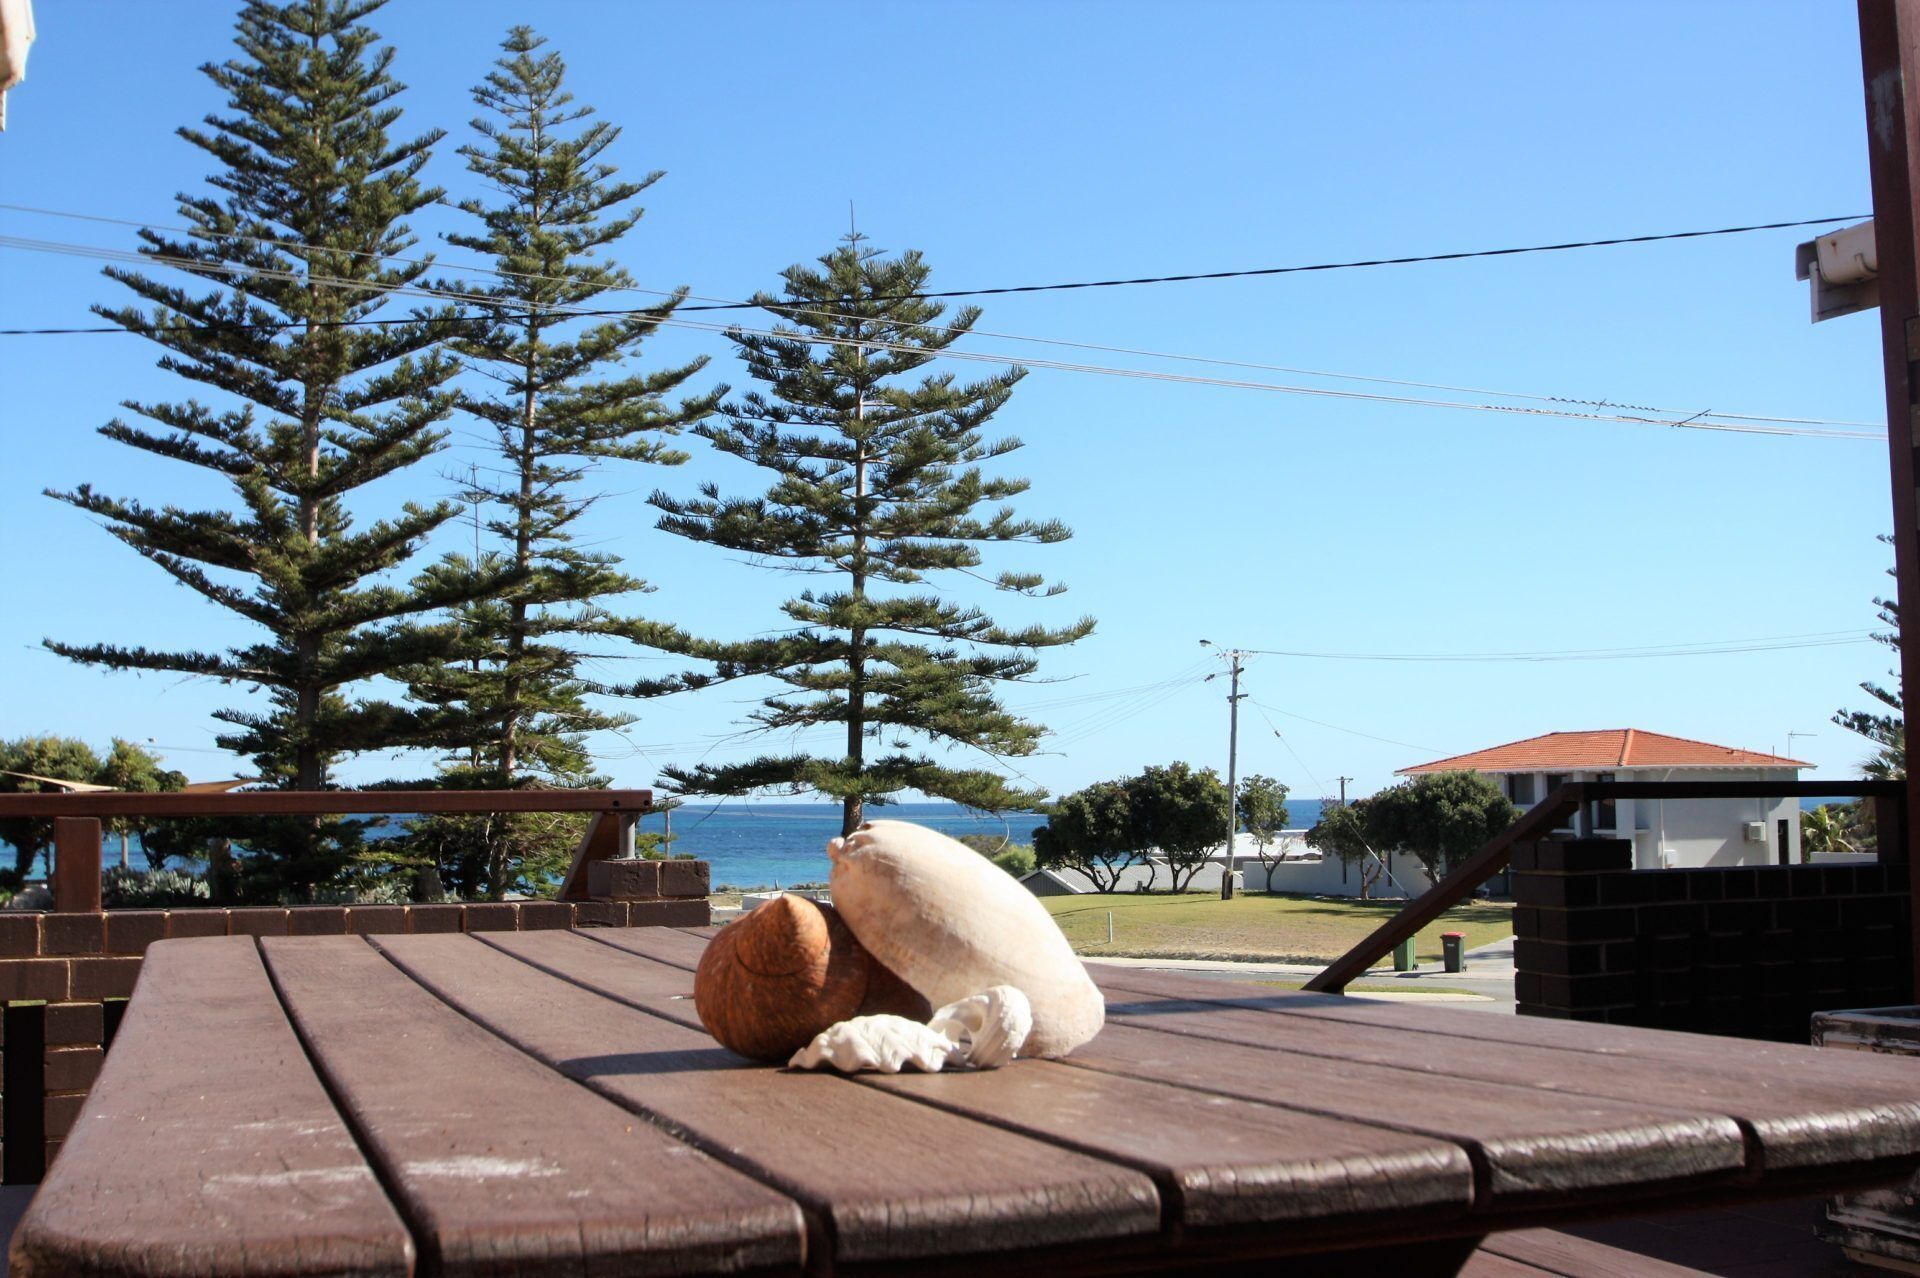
(777, 976)
(888, 994)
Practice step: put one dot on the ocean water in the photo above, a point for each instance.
(781, 844)
(749, 844)
(764, 844)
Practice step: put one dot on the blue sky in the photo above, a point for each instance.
(1018, 143)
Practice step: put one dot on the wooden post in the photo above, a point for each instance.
(609, 835)
(1889, 61)
(1890, 830)
(76, 865)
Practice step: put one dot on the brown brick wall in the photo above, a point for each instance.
(1747, 951)
(81, 965)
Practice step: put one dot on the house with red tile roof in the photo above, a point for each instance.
(1669, 832)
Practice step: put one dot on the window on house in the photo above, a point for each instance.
(1553, 781)
(1603, 809)
(1520, 787)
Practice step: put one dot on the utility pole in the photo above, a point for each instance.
(1235, 659)
(1889, 62)
(1343, 789)
(1233, 753)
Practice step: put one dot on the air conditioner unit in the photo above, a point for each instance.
(1843, 269)
(1756, 831)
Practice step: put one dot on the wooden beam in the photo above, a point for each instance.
(76, 865)
(322, 802)
(1540, 820)
(1889, 60)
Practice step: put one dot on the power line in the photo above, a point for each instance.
(1247, 273)
(1353, 732)
(1693, 422)
(1362, 263)
(787, 309)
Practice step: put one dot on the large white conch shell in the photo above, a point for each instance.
(988, 1028)
(878, 1045)
(950, 923)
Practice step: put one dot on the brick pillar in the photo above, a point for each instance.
(1571, 907)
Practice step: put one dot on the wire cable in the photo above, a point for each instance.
(1192, 276)
(1352, 732)
(793, 310)
(1691, 423)
(1365, 262)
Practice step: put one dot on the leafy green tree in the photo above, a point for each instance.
(21, 760)
(132, 768)
(1175, 810)
(1091, 831)
(1442, 818)
(1886, 729)
(877, 483)
(514, 698)
(1341, 832)
(126, 767)
(294, 247)
(1262, 805)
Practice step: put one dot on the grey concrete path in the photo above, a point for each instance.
(1485, 985)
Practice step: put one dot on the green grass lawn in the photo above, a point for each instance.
(1253, 925)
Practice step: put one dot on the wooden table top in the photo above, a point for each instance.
(546, 1102)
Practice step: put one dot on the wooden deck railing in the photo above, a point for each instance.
(1551, 814)
(75, 876)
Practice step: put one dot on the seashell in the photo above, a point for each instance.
(773, 979)
(988, 1028)
(950, 924)
(877, 1045)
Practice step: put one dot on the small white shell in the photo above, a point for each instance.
(988, 1028)
(877, 1044)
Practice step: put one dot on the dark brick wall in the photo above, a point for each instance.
(1749, 951)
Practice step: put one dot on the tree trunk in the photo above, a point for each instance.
(853, 807)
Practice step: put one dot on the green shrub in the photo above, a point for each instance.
(123, 887)
(1017, 860)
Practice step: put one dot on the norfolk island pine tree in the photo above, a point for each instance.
(514, 699)
(877, 481)
(296, 246)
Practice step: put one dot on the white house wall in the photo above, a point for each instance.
(1695, 832)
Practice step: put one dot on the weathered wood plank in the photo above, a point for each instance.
(1219, 1160)
(673, 946)
(208, 1147)
(1801, 1121)
(1586, 1039)
(1549, 1251)
(1781, 1063)
(502, 1164)
(884, 1178)
(1528, 1147)
(1486, 1264)
(618, 974)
